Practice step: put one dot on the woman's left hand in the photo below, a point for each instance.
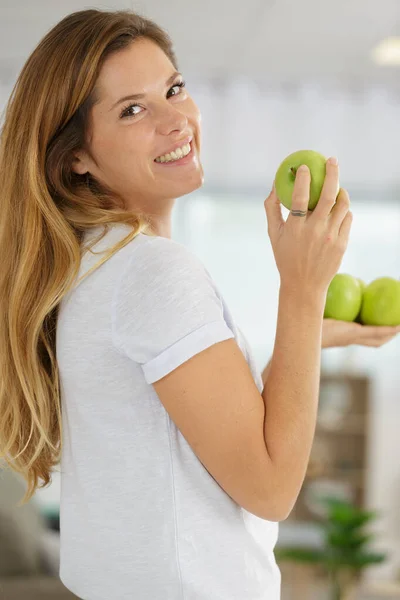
(342, 333)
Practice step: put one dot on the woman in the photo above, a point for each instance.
(121, 361)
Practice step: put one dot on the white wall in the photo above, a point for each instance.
(5, 91)
(248, 131)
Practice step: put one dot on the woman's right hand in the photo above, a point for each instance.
(309, 249)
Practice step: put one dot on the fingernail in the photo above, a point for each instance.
(333, 161)
(302, 169)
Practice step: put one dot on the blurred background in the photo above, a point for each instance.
(270, 77)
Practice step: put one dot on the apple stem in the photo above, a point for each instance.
(293, 171)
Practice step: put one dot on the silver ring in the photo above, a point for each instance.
(298, 213)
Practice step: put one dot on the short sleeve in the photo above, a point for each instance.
(165, 308)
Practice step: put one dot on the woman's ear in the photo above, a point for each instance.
(79, 163)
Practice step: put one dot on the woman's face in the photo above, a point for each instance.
(127, 136)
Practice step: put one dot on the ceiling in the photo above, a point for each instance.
(272, 41)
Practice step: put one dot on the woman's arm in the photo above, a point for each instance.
(291, 392)
(264, 374)
(308, 248)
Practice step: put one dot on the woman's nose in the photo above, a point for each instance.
(171, 119)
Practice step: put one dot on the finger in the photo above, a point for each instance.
(340, 210)
(345, 228)
(301, 195)
(273, 211)
(329, 190)
(378, 331)
(376, 343)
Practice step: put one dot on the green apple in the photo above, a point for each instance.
(381, 302)
(344, 298)
(363, 286)
(286, 175)
(362, 283)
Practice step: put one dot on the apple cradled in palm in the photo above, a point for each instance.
(356, 313)
(350, 299)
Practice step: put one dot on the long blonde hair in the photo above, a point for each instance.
(45, 210)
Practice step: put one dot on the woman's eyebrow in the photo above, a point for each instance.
(139, 96)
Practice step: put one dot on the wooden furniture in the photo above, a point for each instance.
(337, 467)
(338, 460)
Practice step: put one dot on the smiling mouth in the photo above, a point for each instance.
(175, 156)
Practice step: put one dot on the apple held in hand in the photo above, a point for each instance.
(344, 298)
(286, 175)
(381, 302)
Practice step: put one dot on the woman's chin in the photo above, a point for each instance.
(185, 185)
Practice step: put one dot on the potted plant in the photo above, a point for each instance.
(345, 551)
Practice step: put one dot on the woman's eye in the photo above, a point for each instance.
(181, 85)
(125, 111)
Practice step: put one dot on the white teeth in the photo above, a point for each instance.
(175, 155)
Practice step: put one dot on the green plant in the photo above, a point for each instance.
(344, 554)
